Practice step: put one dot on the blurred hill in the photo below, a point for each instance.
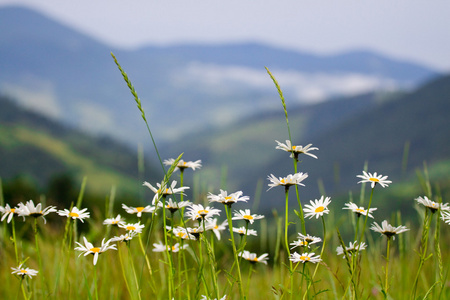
(376, 128)
(44, 151)
(70, 77)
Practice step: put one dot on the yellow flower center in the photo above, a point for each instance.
(203, 212)
(139, 209)
(305, 258)
(13, 210)
(293, 147)
(359, 210)
(319, 209)
(173, 248)
(114, 222)
(248, 217)
(131, 228)
(228, 198)
(374, 179)
(255, 259)
(24, 271)
(283, 181)
(74, 215)
(216, 227)
(304, 243)
(95, 250)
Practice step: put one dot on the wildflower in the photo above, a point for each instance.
(196, 231)
(246, 215)
(114, 221)
(304, 257)
(88, 248)
(445, 216)
(296, 150)
(317, 208)
(137, 227)
(374, 179)
(251, 257)
(182, 233)
(138, 210)
(433, 206)
(173, 206)
(8, 212)
(184, 164)
(29, 210)
(287, 181)
(75, 213)
(245, 231)
(305, 241)
(387, 229)
(197, 211)
(359, 210)
(352, 247)
(22, 272)
(163, 190)
(160, 247)
(124, 237)
(212, 225)
(224, 198)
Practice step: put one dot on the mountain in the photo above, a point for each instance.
(43, 149)
(55, 70)
(374, 128)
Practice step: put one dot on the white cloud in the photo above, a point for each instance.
(36, 95)
(303, 87)
(93, 117)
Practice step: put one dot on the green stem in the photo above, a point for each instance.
(15, 241)
(123, 272)
(302, 218)
(95, 282)
(130, 256)
(423, 246)
(236, 260)
(386, 285)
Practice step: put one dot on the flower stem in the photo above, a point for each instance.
(386, 284)
(236, 260)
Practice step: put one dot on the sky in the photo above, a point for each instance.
(412, 30)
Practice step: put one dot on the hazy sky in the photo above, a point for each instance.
(413, 30)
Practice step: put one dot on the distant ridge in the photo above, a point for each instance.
(70, 77)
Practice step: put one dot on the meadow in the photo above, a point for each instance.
(189, 242)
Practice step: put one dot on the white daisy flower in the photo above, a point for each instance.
(445, 216)
(182, 233)
(124, 237)
(22, 272)
(224, 198)
(88, 248)
(253, 258)
(29, 210)
(160, 247)
(359, 210)
(184, 164)
(75, 213)
(433, 206)
(304, 257)
(196, 231)
(137, 227)
(374, 179)
(305, 241)
(212, 225)
(352, 247)
(243, 231)
(197, 212)
(246, 215)
(317, 208)
(163, 190)
(8, 212)
(138, 210)
(287, 181)
(173, 206)
(387, 229)
(114, 221)
(296, 150)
